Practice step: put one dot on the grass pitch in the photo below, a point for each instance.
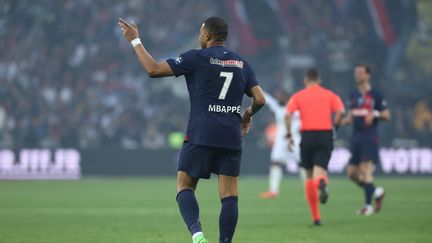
(144, 210)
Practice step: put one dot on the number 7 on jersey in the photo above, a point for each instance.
(228, 78)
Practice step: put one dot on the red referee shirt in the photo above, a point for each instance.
(316, 105)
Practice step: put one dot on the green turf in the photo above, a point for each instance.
(144, 210)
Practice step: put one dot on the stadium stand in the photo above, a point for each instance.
(67, 78)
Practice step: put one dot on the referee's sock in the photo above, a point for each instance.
(369, 189)
(189, 210)
(228, 219)
(311, 192)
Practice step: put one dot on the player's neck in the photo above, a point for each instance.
(312, 84)
(215, 43)
(364, 87)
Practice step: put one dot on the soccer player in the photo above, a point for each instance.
(367, 107)
(280, 153)
(217, 80)
(316, 106)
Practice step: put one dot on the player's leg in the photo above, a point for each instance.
(188, 204)
(275, 179)
(321, 160)
(366, 168)
(353, 171)
(302, 173)
(228, 217)
(278, 157)
(276, 174)
(193, 164)
(227, 166)
(321, 182)
(373, 154)
(296, 158)
(311, 191)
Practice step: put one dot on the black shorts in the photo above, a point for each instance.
(364, 148)
(316, 148)
(200, 161)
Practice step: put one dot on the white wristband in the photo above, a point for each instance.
(136, 42)
(376, 114)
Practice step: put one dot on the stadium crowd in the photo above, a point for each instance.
(67, 78)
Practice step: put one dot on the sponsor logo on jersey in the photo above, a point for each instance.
(226, 63)
(361, 112)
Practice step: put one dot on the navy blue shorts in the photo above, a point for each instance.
(364, 148)
(200, 161)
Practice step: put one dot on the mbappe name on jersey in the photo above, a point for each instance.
(224, 109)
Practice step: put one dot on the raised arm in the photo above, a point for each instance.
(271, 102)
(153, 68)
(258, 102)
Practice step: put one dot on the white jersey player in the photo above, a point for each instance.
(280, 153)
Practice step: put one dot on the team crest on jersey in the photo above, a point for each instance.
(178, 60)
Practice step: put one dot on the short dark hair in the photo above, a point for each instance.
(217, 28)
(366, 67)
(312, 74)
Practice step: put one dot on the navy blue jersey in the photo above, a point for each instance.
(361, 105)
(217, 80)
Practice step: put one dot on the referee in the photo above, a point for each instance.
(316, 106)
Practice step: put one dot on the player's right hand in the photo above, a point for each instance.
(369, 119)
(129, 31)
(290, 144)
(246, 123)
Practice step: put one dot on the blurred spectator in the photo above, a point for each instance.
(152, 138)
(423, 117)
(67, 77)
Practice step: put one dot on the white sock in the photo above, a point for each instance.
(275, 178)
(302, 174)
(379, 191)
(194, 236)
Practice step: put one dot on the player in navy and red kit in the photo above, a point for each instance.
(367, 108)
(217, 80)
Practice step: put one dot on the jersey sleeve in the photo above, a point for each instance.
(292, 104)
(336, 103)
(251, 80)
(380, 103)
(271, 102)
(184, 64)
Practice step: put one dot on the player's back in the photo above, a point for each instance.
(216, 79)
